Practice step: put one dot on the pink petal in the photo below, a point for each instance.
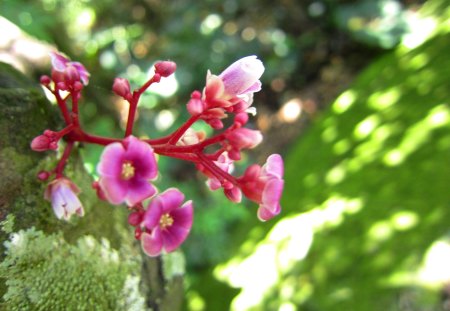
(265, 214)
(138, 190)
(114, 189)
(274, 166)
(152, 215)
(59, 62)
(173, 237)
(171, 199)
(214, 87)
(152, 242)
(111, 161)
(183, 216)
(272, 193)
(256, 87)
(141, 155)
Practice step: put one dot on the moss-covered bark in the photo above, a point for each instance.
(25, 113)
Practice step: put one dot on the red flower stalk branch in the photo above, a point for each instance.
(128, 165)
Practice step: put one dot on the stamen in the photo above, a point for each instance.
(127, 170)
(165, 221)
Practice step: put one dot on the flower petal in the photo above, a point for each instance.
(152, 214)
(274, 166)
(173, 237)
(152, 242)
(141, 155)
(272, 193)
(139, 190)
(114, 189)
(265, 214)
(171, 199)
(111, 160)
(183, 216)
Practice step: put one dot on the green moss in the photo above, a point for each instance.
(43, 272)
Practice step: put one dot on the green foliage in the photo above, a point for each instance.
(43, 272)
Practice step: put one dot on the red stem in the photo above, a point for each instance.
(215, 170)
(180, 132)
(62, 162)
(62, 105)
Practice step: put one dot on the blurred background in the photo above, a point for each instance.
(355, 97)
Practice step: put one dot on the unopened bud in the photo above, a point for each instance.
(137, 233)
(195, 106)
(241, 118)
(40, 143)
(165, 68)
(43, 175)
(121, 87)
(45, 80)
(135, 218)
(233, 194)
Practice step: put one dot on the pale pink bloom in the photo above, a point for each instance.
(242, 77)
(62, 193)
(264, 185)
(125, 171)
(166, 222)
(233, 89)
(121, 87)
(64, 66)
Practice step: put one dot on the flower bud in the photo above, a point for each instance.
(135, 218)
(43, 175)
(243, 76)
(244, 138)
(121, 87)
(195, 106)
(40, 143)
(165, 68)
(45, 80)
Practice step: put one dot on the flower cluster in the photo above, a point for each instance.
(128, 166)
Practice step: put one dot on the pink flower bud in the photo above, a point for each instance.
(241, 118)
(43, 175)
(195, 106)
(40, 143)
(165, 68)
(135, 218)
(244, 138)
(121, 87)
(233, 194)
(45, 80)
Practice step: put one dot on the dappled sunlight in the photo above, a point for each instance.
(289, 241)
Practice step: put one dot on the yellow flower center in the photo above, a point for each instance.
(165, 221)
(127, 170)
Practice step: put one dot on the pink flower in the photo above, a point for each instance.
(233, 89)
(264, 185)
(167, 222)
(69, 69)
(125, 170)
(242, 77)
(62, 193)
